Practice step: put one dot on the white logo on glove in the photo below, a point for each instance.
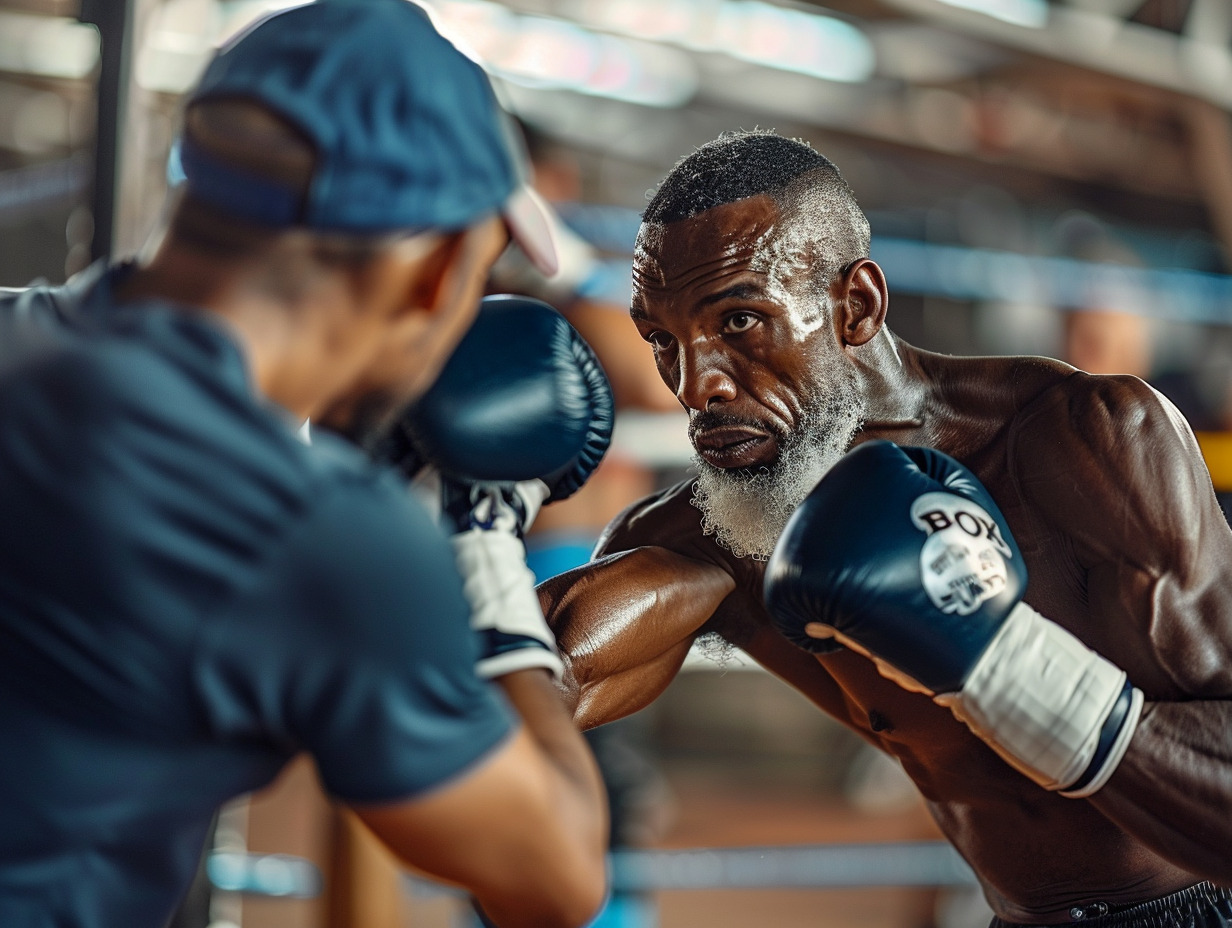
(963, 558)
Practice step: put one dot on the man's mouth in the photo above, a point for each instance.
(733, 447)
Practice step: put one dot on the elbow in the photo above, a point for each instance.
(567, 901)
(580, 886)
(584, 907)
(577, 908)
(591, 892)
(565, 888)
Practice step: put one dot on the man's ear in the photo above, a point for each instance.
(438, 275)
(861, 302)
(402, 278)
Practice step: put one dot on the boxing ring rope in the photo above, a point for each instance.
(812, 866)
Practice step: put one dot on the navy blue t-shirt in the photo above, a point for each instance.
(190, 595)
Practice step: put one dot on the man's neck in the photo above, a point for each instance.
(895, 389)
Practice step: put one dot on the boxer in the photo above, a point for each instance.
(1012, 576)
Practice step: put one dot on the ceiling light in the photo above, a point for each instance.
(48, 46)
(556, 54)
(778, 37)
(1030, 13)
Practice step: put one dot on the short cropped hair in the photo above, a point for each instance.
(805, 184)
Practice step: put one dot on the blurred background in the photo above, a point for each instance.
(1042, 177)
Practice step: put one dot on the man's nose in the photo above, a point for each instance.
(703, 379)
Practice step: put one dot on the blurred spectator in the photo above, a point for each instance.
(592, 297)
(1111, 334)
(1108, 341)
(1114, 335)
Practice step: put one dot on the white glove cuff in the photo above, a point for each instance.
(1041, 698)
(1095, 779)
(526, 658)
(501, 591)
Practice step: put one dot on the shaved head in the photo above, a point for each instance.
(808, 188)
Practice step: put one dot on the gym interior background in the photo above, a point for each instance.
(1042, 177)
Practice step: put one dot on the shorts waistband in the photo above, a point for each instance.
(1154, 913)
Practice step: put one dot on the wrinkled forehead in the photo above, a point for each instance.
(729, 233)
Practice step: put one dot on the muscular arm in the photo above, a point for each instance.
(1129, 486)
(624, 624)
(1173, 789)
(626, 621)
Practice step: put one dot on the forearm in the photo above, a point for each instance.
(572, 810)
(547, 720)
(624, 625)
(1173, 788)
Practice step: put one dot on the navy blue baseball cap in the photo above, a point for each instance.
(407, 130)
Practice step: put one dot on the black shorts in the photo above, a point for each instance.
(1200, 906)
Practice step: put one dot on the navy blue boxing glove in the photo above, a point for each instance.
(521, 415)
(523, 397)
(902, 555)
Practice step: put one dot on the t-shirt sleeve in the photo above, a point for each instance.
(355, 645)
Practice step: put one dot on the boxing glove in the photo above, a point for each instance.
(521, 415)
(902, 555)
(523, 397)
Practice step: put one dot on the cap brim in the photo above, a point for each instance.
(529, 220)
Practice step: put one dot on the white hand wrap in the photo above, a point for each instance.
(1042, 700)
(500, 588)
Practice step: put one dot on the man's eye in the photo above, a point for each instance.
(740, 322)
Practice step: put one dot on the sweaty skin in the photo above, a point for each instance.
(1102, 484)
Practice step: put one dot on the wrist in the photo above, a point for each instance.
(497, 507)
(1049, 705)
(1114, 738)
(505, 612)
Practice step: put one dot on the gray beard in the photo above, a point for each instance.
(747, 510)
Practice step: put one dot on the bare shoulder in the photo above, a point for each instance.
(1027, 377)
(1104, 396)
(992, 388)
(1112, 434)
(665, 519)
(1112, 459)
(669, 520)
